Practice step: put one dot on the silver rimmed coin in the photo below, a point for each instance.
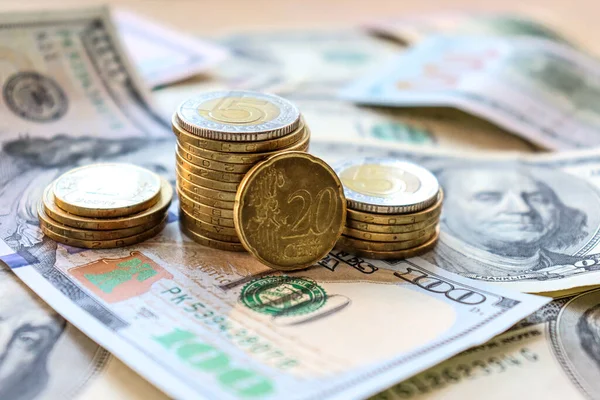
(387, 186)
(238, 115)
(107, 190)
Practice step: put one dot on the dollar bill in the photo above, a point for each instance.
(66, 73)
(555, 352)
(163, 55)
(42, 356)
(544, 91)
(443, 127)
(411, 29)
(523, 221)
(198, 322)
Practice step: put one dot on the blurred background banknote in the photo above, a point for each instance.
(411, 29)
(542, 90)
(197, 323)
(163, 55)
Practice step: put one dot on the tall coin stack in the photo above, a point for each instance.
(393, 208)
(221, 136)
(105, 206)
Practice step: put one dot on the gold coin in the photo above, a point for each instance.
(397, 219)
(211, 164)
(103, 244)
(191, 223)
(290, 210)
(367, 227)
(201, 215)
(154, 213)
(206, 209)
(394, 254)
(185, 137)
(238, 115)
(208, 173)
(226, 205)
(389, 237)
(184, 170)
(350, 242)
(106, 190)
(247, 158)
(90, 235)
(205, 241)
(204, 191)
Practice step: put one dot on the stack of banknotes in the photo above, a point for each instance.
(170, 318)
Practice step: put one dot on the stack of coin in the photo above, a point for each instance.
(105, 206)
(393, 208)
(221, 136)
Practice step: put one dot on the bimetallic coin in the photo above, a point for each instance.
(204, 191)
(154, 213)
(390, 219)
(209, 173)
(106, 190)
(185, 137)
(238, 116)
(103, 244)
(393, 254)
(389, 246)
(205, 209)
(205, 241)
(184, 169)
(367, 227)
(389, 237)
(246, 158)
(290, 210)
(209, 219)
(387, 186)
(226, 205)
(198, 227)
(90, 235)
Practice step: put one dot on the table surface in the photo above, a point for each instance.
(577, 19)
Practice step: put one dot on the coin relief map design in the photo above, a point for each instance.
(290, 211)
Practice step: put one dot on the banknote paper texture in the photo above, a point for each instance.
(544, 91)
(554, 351)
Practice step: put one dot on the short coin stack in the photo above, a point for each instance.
(393, 208)
(105, 206)
(221, 136)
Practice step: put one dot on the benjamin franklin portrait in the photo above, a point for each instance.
(506, 221)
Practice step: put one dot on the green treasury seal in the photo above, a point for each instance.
(283, 296)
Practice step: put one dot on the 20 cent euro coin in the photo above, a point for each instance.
(387, 186)
(290, 210)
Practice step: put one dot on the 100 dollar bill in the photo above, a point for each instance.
(555, 352)
(528, 222)
(544, 91)
(199, 322)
